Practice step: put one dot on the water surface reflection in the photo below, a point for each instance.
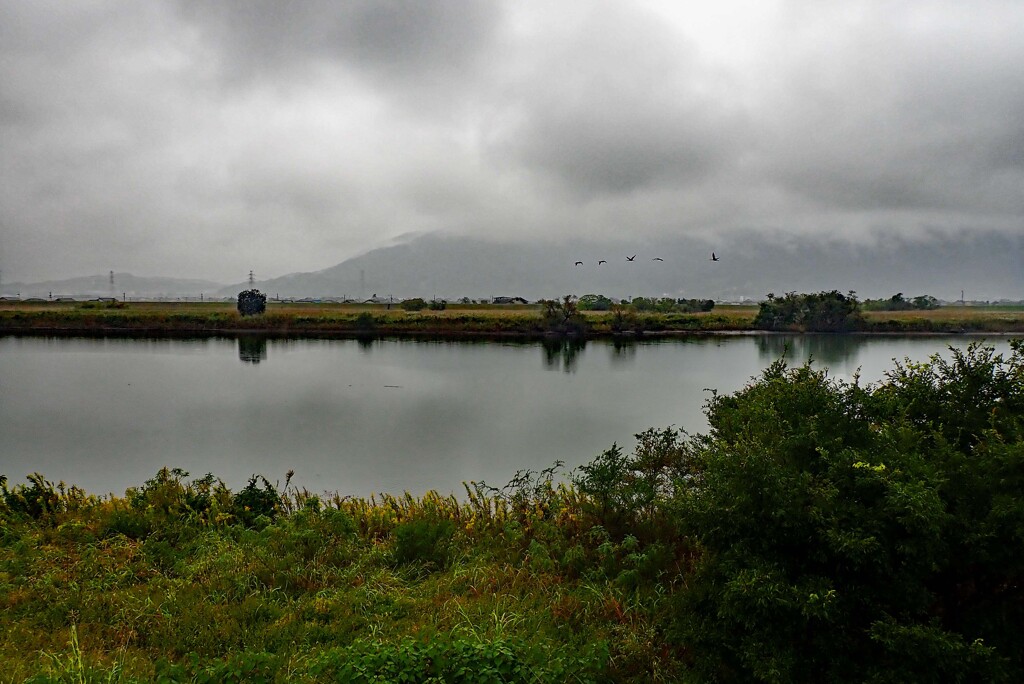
(359, 416)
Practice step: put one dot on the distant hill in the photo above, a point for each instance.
(125, 284)
(986, 267)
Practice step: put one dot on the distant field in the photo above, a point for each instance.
(456, 319)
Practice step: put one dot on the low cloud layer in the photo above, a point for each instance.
(197, 139)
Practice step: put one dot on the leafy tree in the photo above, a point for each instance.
(670, 305)
(854, 534)
(624, 319)
(594, 302)
(415, 304)
(898, 303)
(643, 304)
(563, 317)
(251, 302)
(819, 312)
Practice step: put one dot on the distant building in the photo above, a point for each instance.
(509, 300)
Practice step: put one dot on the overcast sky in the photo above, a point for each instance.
(202, 139)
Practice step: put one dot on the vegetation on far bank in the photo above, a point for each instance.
(820, 531)
(589, 316)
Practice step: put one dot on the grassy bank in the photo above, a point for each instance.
(456, 320)
(186, 581)
(821, 531)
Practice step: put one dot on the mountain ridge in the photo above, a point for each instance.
(985, 267)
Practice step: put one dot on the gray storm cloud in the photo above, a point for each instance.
(203, 139)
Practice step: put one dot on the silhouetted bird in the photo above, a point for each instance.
(579, 263)
(631, 258)
(713, 257)
(657, 259)
(602, 261)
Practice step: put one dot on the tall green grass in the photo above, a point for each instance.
(184, 580)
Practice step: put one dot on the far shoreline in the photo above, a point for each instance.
(461, 322)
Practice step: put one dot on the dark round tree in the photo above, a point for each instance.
(251, 302)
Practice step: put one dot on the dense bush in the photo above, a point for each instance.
(898, 303)
(415, 304)
(671, 305)
(856, 534)
(819, 312)
(594, 302)
(256, 505)
(424, 541)
(251, 302)
(563, 317)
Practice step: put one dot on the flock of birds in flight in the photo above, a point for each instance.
(631, 258)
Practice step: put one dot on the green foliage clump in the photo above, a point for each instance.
(425, 541)
(41, 500)
(594, 302)
(252, 302)
(898, 303)
(563, 317)
(438, 304)
(855, 534)
(415, 304)
(671, 305)
(819, 312)
(255, 505)
(627, 493)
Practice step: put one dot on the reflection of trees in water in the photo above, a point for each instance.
(623, 351)
(824, 349)
(252, 348)
(365, 342)
(562, 353)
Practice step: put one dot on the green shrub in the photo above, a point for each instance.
(857, 534)
(819, 312)
(424, 541)
(415, 304)
(251, 303)
(443, 658)
(254, 502)
(34, 501)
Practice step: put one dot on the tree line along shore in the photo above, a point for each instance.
(586, 317)
(819, 531)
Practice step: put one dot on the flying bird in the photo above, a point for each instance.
(579, 263)
(631, 258)
(657, 259)
(602, 261)
(713, 257)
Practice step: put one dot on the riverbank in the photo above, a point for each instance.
(523, 321)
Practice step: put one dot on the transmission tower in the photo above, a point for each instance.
(252, 279)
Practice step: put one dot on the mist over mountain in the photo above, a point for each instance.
(986, 267)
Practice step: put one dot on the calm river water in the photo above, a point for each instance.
(361, 417)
